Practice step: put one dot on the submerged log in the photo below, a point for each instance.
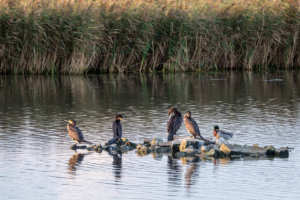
(166, 144)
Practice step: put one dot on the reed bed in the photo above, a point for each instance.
(82, 36)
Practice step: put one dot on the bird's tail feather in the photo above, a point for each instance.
(87, 142)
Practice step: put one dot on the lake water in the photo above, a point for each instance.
(37, 163)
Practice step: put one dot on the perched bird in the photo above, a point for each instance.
(75, 133)
(116, 129)
(175, 121)
(191, 125)
(219, 133)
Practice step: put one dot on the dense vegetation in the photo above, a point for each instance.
(80, 36)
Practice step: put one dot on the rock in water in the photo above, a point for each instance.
(147, 141)
(166, 150)
(180, 154)
(114, 147)
(156, 141)
(270, 150)
(74, 147)
(190, 143)
(205, 149)
(190, 151)
(131, 144)
(124, 148)
(175, 145)
(220, 141)
(282, 152)
(235, 149)
(124, 140)
(143, 149)
(158, 149)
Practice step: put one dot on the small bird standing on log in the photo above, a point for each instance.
(220, 133)
(192, 126)
(75, 133)
(116, 129)
(175, 121)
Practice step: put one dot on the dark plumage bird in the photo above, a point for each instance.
(191, 125)
(220, 133)
(75, 133)
(175, 121)
(117, 127)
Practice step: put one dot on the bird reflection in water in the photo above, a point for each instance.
(117, 165)
(174, 171)
(221, 161)
(74, 162)
(191, 174)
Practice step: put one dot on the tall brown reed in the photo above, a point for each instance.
(80, 36)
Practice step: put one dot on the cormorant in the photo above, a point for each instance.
(175, 121)
(116, 129)
(75, 133)
(192, 126)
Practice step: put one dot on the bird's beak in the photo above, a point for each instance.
(122, 119)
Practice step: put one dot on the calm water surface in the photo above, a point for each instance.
(36, 162)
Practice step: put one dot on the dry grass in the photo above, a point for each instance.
(80, 36)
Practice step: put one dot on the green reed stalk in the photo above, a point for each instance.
(131, 36)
